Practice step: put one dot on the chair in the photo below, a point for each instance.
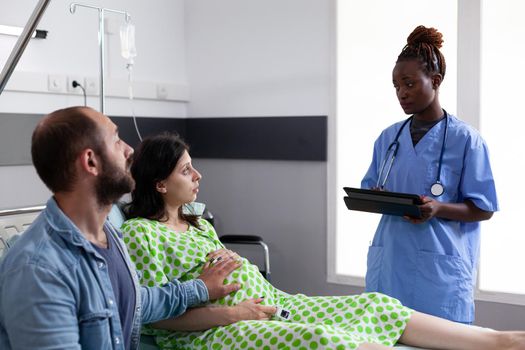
(251, 240)
(244, 239)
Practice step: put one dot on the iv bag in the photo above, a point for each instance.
(127, 41)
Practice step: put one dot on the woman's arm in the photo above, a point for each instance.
(464, 212)
(203, 318)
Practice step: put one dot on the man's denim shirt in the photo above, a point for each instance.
(55, 291)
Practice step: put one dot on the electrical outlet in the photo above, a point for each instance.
(91, 86)
(75, 90)
(56, 83)
(162, 91)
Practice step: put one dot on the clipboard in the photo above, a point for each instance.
(383, 202)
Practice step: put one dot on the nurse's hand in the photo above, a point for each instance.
(428, 209)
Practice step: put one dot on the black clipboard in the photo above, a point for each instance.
(383, 202)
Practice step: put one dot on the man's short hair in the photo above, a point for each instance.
(58, 140)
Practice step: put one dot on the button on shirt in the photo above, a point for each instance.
(122, 284)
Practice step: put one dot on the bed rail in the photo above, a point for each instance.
(13, 222)
(25, 210)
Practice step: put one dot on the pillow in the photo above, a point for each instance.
(116, 216)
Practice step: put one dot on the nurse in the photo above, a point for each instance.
(429, 263)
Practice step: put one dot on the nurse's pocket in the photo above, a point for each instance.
(373, 268)
(443, 283)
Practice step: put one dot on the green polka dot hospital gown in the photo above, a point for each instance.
(335, 322)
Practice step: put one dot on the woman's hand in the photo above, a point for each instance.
(206, 317)
(222, 254)
(429, 209)
(252, 309)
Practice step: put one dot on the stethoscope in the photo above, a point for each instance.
(437, 188)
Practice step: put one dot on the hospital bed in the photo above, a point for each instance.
(13, 222)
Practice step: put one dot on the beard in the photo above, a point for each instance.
(113, 182)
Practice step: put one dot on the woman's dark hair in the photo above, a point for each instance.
(154, 161)
(423, 44)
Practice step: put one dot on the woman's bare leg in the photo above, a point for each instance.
(369, 346)
(432, 332)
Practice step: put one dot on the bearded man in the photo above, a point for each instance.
(68, 282)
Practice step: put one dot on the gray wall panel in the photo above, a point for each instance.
(15, 138)
(283, 202)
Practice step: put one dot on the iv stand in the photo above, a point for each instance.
(101, 13)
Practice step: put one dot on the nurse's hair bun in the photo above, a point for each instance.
(423, 45)
(424, 35)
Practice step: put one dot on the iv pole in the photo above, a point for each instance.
(101, 13)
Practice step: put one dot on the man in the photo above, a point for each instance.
(68, 282)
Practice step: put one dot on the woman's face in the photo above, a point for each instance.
(182, 185)
(415, 90)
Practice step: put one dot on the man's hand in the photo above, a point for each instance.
(213, 276)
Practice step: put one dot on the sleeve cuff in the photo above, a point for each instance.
(484, 204)
(196, 292)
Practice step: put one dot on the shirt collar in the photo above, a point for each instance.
(63, 225)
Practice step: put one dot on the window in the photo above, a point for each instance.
(502, 124)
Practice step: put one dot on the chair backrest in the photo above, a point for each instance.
(13, 222)
(244, 239)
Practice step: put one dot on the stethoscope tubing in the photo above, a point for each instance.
(442, 149)
(394, 146)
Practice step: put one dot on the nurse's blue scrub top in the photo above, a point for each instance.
(431, 267)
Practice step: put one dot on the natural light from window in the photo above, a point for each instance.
(370, 35)
(502, 124)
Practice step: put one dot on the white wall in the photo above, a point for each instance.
(266, 58)
(249, 57)
(71, 49)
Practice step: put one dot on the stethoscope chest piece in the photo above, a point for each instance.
(437, 189)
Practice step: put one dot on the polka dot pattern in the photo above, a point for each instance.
(335, 322)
